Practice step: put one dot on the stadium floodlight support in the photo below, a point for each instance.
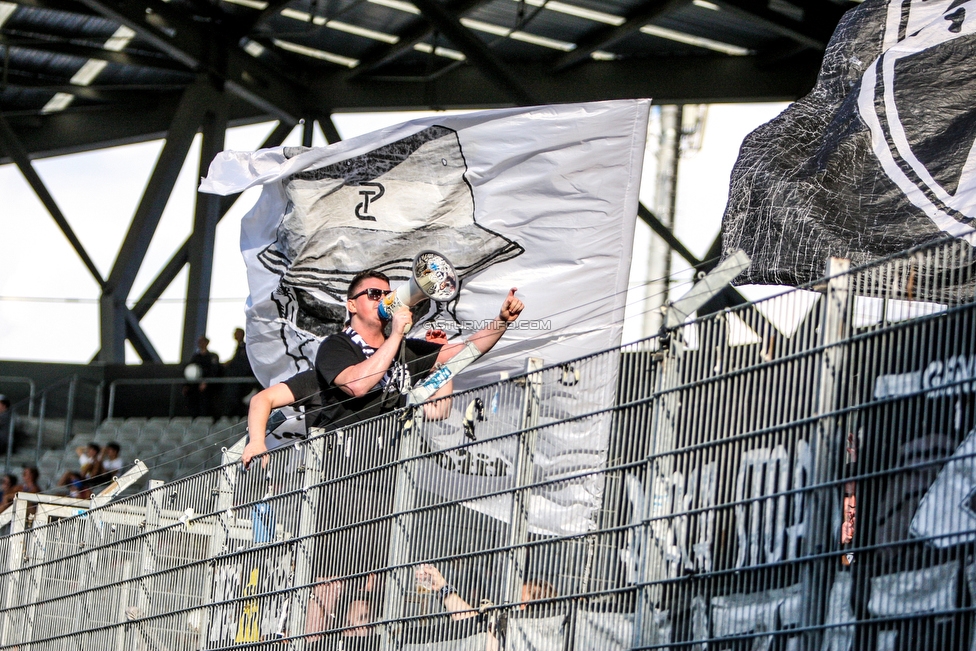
(204, 236)
(196, 101)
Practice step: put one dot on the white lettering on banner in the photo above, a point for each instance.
(630, 553)
(223, 620)
(670, 534)
(764, 612)
(677, 497)
(272, 575)
(702, 549)
(955, 375)
(802, 468)
(274, 581)
(765, 472)
(661, 532)
(839, 611)
(926, 590)
(763, 481)
(956, 371)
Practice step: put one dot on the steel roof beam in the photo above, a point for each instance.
(176, 263)
(476, 51)
(677, 80)
(74, 48)
(808, 33)
(414, 34)
(668, 80)
(84, 127)
(204, 235)
(189, 115)
(270, 11)
(606, 36)
(329, 128)
(10, 143)
(67, 6)
(139, 340)
(106, 94)
(180, 136)
(201, 46)
(665, 234)
(729, 296)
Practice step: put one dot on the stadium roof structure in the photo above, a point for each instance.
(87, 74)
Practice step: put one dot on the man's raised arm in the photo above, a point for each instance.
(487, 337)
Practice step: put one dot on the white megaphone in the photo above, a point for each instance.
(432, 276)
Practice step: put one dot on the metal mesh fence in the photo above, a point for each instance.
(798, 473)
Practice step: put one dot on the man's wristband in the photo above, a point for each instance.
(447, 590)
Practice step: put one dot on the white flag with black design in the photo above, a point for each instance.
(542, 198)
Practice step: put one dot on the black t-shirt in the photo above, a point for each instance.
(337, 408)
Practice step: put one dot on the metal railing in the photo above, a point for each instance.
(37, 403)
(792, 474)
(172, 383)
(9, 429)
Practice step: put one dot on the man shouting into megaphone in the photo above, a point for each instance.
(360, 372)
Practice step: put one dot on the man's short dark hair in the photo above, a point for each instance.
(363, 275)
(113, 446)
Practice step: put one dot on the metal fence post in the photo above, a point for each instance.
(827, 448)
(87, 565)
(652, 564)
(312, 471)
(10, 438)
(400, 579)
(40, 428)
(97, 408)
(111, 401)
(518, 533)
(154, 509)
(15, 561)
(69, 417)
(35, 540)
(224, 492)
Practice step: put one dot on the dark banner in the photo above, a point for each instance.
(877, 158)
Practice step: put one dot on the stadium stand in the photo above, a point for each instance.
(170, 447)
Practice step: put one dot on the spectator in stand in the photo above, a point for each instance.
(236, 395)
(9, 486)
(111, 461)
(201, 396)
(5, 419)
(430, 579)
(30, 477)
(72, 484)
(89, 460)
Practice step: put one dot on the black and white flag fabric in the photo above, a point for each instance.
(543, 199)
(879, 156)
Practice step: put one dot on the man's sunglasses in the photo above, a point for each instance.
(373, 293)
